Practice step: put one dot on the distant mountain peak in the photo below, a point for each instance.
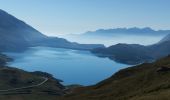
(127, 31)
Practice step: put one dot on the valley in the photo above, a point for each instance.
(63, 63)
(84, 50)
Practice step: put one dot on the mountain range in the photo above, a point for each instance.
(126, 31)
(147, 81)
(16, 35)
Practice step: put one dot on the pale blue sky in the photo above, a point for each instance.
(54, 17)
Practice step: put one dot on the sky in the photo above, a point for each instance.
(54, 17)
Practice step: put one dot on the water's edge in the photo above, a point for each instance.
(71, 66)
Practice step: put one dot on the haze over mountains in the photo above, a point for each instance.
(165, 39)
(134, 35)
(17, 35)
(146, 81)
(126, 31)
(135, 53)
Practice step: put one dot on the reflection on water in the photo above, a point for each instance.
(71, 66)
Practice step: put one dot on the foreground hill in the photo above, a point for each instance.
(16, 84)
(148, 81)
(16, 35)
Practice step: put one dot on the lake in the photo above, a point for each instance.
(71, 66)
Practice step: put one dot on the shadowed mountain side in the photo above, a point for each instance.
(15, 35)
(134, 53)
(4, 59)
(167, 38)
(125, 53)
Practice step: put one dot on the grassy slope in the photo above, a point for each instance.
(15, 78)
(141, 82)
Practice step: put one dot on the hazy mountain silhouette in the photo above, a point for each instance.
(126, 31)
(134, 53)
(167, 38)
(17, 35)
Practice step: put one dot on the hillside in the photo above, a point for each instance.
(125, 53)
(165, 39)
(16, 35)
(18, 84)
(4, 59)
(148, 81)
(142, 82)
(135, 53)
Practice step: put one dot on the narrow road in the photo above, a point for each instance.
(26, 87)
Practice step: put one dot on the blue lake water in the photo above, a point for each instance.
(71, 66)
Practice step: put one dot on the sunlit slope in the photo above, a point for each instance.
(149, 81)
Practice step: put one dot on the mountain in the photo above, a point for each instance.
(108, 37)
(167, 38)
(17, 35)
(4, 59)
(126, 31)
(148, 81)
(134, 53)
(125, 53)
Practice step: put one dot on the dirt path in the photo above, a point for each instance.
(26, 87)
